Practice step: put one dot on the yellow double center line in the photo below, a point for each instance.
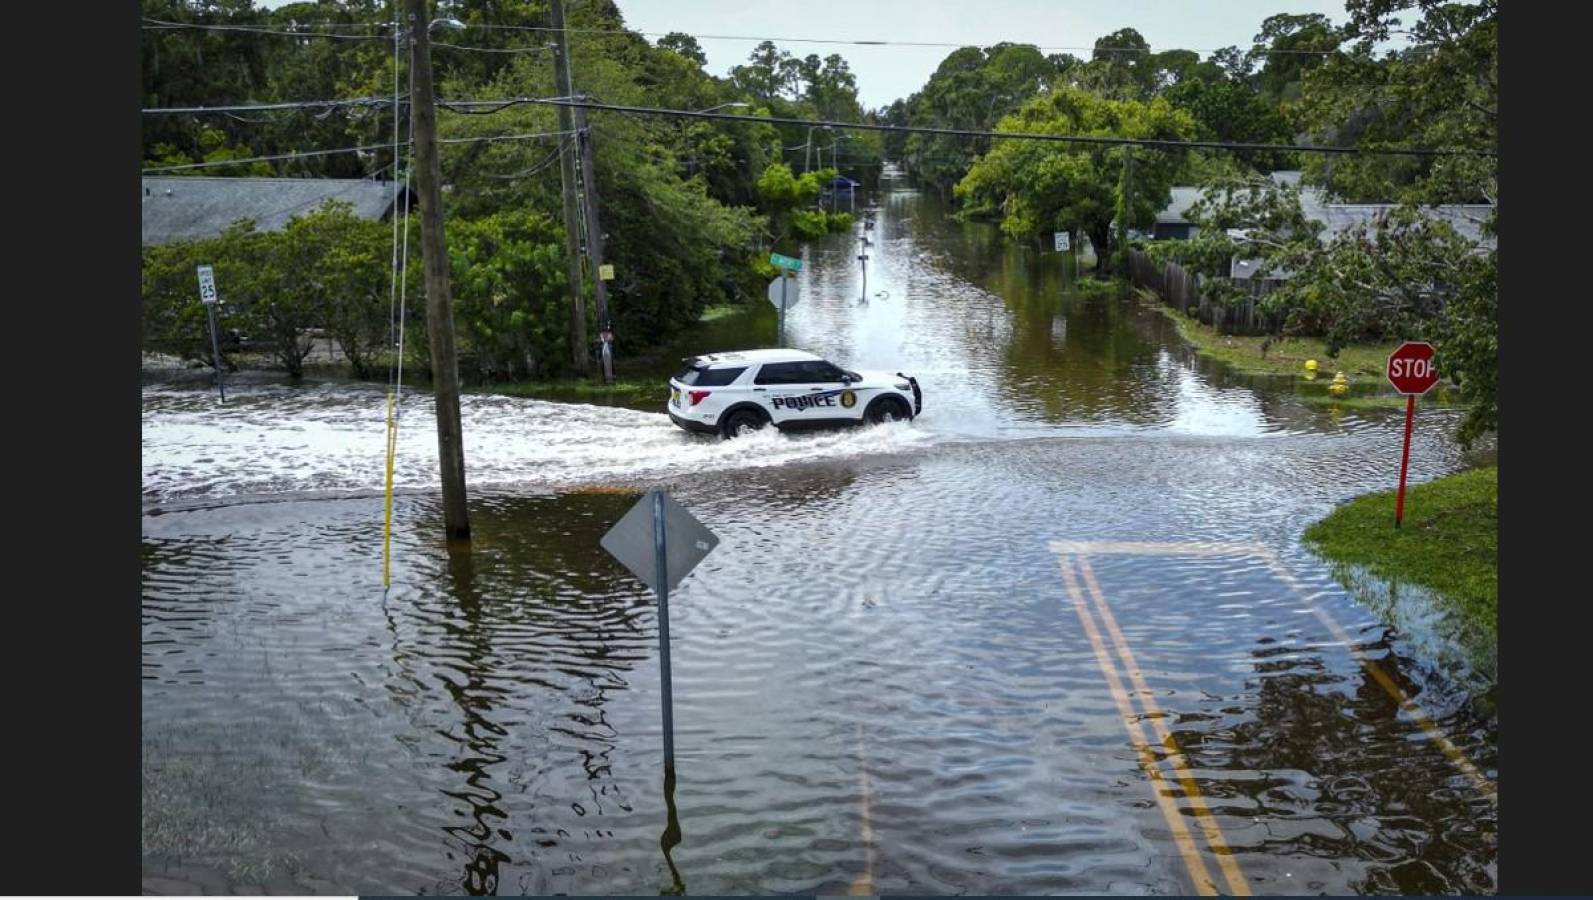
(1163, 790)
(863, 884)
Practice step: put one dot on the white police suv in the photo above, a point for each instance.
(736, 393)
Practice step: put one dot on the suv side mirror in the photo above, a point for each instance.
(849, 377)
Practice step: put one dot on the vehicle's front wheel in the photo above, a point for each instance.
(742, 422)
(889, 409)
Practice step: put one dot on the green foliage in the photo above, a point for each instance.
(791, 202)
(172, 320)
(971, 89)
(325, 271)
(1449, 542)
(1036, 187)
(809, 223)
(507, 281)
(1442, 91)
(1407, 276)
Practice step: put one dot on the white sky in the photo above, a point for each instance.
(889, 73)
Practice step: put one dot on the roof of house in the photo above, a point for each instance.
(1467, 219)
(198, 207)
(1177, 211)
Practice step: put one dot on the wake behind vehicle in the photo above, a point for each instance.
(731, 394)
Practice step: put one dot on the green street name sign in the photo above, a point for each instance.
(785, 262)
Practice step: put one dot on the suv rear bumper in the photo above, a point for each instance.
(689, 425)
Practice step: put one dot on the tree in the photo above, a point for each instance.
(1036, 187)
(1120, 68)
(1288, 47)
(1406, 275)
(1442, 91)
(685, 45)
(767, 73)
(507, 272)
(972, 89)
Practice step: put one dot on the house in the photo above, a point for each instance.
(1172, 223)
(838, 186)
(198, 207)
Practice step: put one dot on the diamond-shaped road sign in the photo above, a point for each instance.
(686, 541)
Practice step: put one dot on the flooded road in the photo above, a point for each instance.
(1056, 635)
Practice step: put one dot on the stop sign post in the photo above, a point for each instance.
(1412, 373)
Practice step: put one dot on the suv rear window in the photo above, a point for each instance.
(703, 376)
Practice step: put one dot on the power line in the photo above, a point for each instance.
(162, 25)
(272, 158)
(859, 42)
(259, 107)
(367, 147)
(527, 173)
(504, 137)
(539, 48)
(1157, 143)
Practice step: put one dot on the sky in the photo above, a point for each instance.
(885, 74)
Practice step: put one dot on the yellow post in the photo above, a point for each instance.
(387, 524)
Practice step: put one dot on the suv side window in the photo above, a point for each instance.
(782, 373)
(718, 377)
(822, 372)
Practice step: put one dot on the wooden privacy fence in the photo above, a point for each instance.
(1180, 289)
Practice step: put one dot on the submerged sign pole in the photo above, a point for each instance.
(660, 550)
(660, 543)
(793, 266)
(1412, 373)
(209, 297)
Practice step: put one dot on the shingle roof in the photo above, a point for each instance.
(198, 207)
(1466, 219)
(1177, 211)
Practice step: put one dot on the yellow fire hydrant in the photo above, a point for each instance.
(1340, 385)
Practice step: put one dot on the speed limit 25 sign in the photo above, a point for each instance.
(1410, 368)
(207, 286)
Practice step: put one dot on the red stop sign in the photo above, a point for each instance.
(1410, 368)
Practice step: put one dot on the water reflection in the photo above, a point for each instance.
(494, 726)
(671, 837)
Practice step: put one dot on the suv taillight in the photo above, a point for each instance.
(697, 396)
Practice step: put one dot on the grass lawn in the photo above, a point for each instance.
(1449, 542)
(636, 394)
(1284, 356)
(719, 312)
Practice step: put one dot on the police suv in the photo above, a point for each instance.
(736, 393)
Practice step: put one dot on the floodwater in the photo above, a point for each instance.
(1056, 635)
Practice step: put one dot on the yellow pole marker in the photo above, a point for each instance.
(1208, 823)
(1198, 874)
(387, 523)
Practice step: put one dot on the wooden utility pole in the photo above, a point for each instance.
(1128, 204)
(572, 223)
(594, 237)
(439, 299)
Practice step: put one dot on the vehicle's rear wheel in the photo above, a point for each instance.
(742, 422)
(889, 409)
